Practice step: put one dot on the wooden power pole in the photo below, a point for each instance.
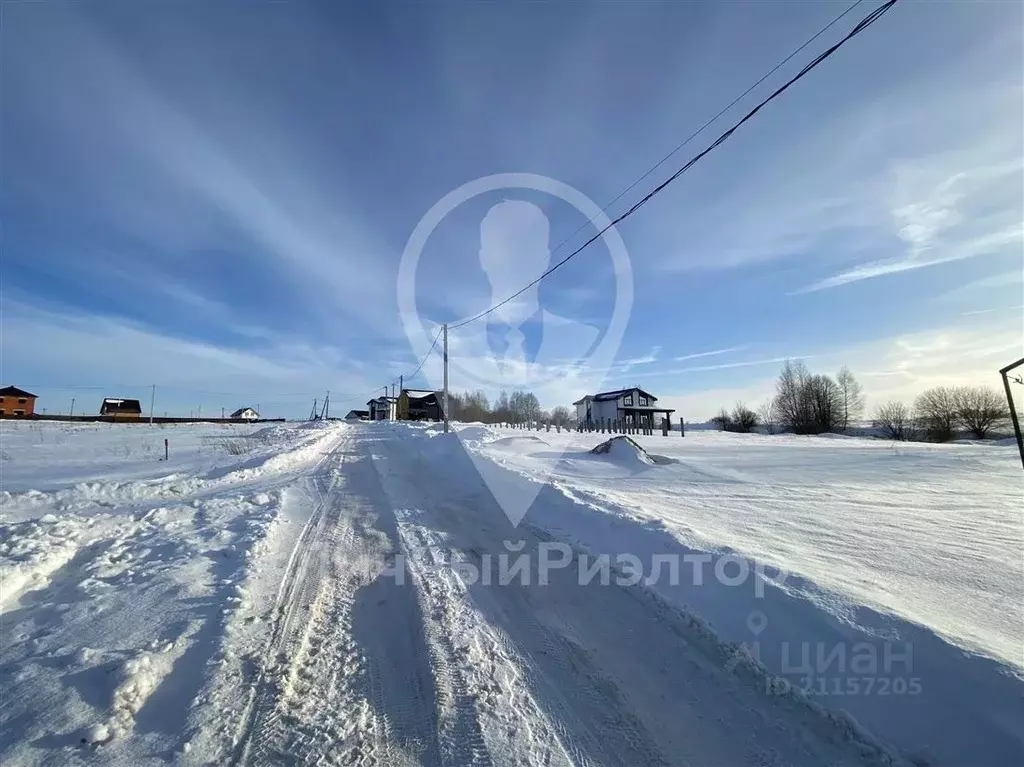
(445, 331)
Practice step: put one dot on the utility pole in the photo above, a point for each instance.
(327, 405)
(72, 407)
(445, 330)
(1013, 408)
(152, 399)
(222, 412)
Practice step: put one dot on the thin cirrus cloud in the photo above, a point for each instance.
(714, 353)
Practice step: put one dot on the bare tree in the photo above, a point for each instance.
(895, 420)
(744, 420)
(790, 403)
(723, 420)
(768, 415)
(936, 411)
(980, 409)
(851, 396)
(561, 415)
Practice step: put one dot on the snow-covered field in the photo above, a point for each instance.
(339, 594)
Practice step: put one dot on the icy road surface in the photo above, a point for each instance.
(313, 596)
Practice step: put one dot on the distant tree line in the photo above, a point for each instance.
(515, 407)
(814, 403)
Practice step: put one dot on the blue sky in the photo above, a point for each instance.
(215, 197)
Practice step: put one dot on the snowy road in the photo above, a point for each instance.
(411, 664)
(343, 597)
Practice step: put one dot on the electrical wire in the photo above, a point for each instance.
(863, 24)
(704, 127)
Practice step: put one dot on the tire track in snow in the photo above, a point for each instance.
(345, 679)
(260, 722)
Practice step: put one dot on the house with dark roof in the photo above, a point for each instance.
(382, 408)
(419, 405)
(121, 409)
(357, 415)
(16, 403)
(632, 407)
(246, 414)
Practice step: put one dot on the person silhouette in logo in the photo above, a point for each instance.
(525, 341)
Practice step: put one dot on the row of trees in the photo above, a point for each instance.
(806, 403)
(517, 407)
(939, 413)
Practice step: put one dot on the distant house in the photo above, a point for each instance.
(16, 403)
(246, 414)
(382, 408)
(634, 407)
(357, 415)
(419, 405)
(121, 409)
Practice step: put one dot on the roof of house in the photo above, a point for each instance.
(358, 413)
(14, 391)
(587, 398)
(117, 405)
(418, 393)
(607, 395)
(238, 413)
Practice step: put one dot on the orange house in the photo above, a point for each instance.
(16, 403)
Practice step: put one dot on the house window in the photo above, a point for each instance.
(22, 400)
(19, 412)
(627, 400)
(642, 399)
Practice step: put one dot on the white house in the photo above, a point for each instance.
(634, 407)
(383, 408)
(246, 414)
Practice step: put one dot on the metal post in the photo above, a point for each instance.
(445, 331)
(72, 407)
(1013, 409)
(152, 399)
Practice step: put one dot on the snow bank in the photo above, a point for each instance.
(908, 554)
(623, 450)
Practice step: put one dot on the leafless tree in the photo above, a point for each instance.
(744, 420)
(851, 395)
(807, 404)
(723, 420)
(895, 420)
(768, 416)
(790, 403)
(936, 411)
(561, 415)
(980, 409)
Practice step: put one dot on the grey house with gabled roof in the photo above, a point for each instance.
(633, 407)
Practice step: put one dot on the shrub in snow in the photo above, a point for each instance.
(895, 420)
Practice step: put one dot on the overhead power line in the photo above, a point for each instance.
(704, 127)
(863, 24)
(425, 356)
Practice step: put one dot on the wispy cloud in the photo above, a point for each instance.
(950, 220)
(716, 352)
(724, 366)
(991, 311)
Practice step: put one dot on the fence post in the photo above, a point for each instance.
(166, 449)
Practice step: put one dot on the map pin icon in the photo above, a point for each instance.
(757, 621)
